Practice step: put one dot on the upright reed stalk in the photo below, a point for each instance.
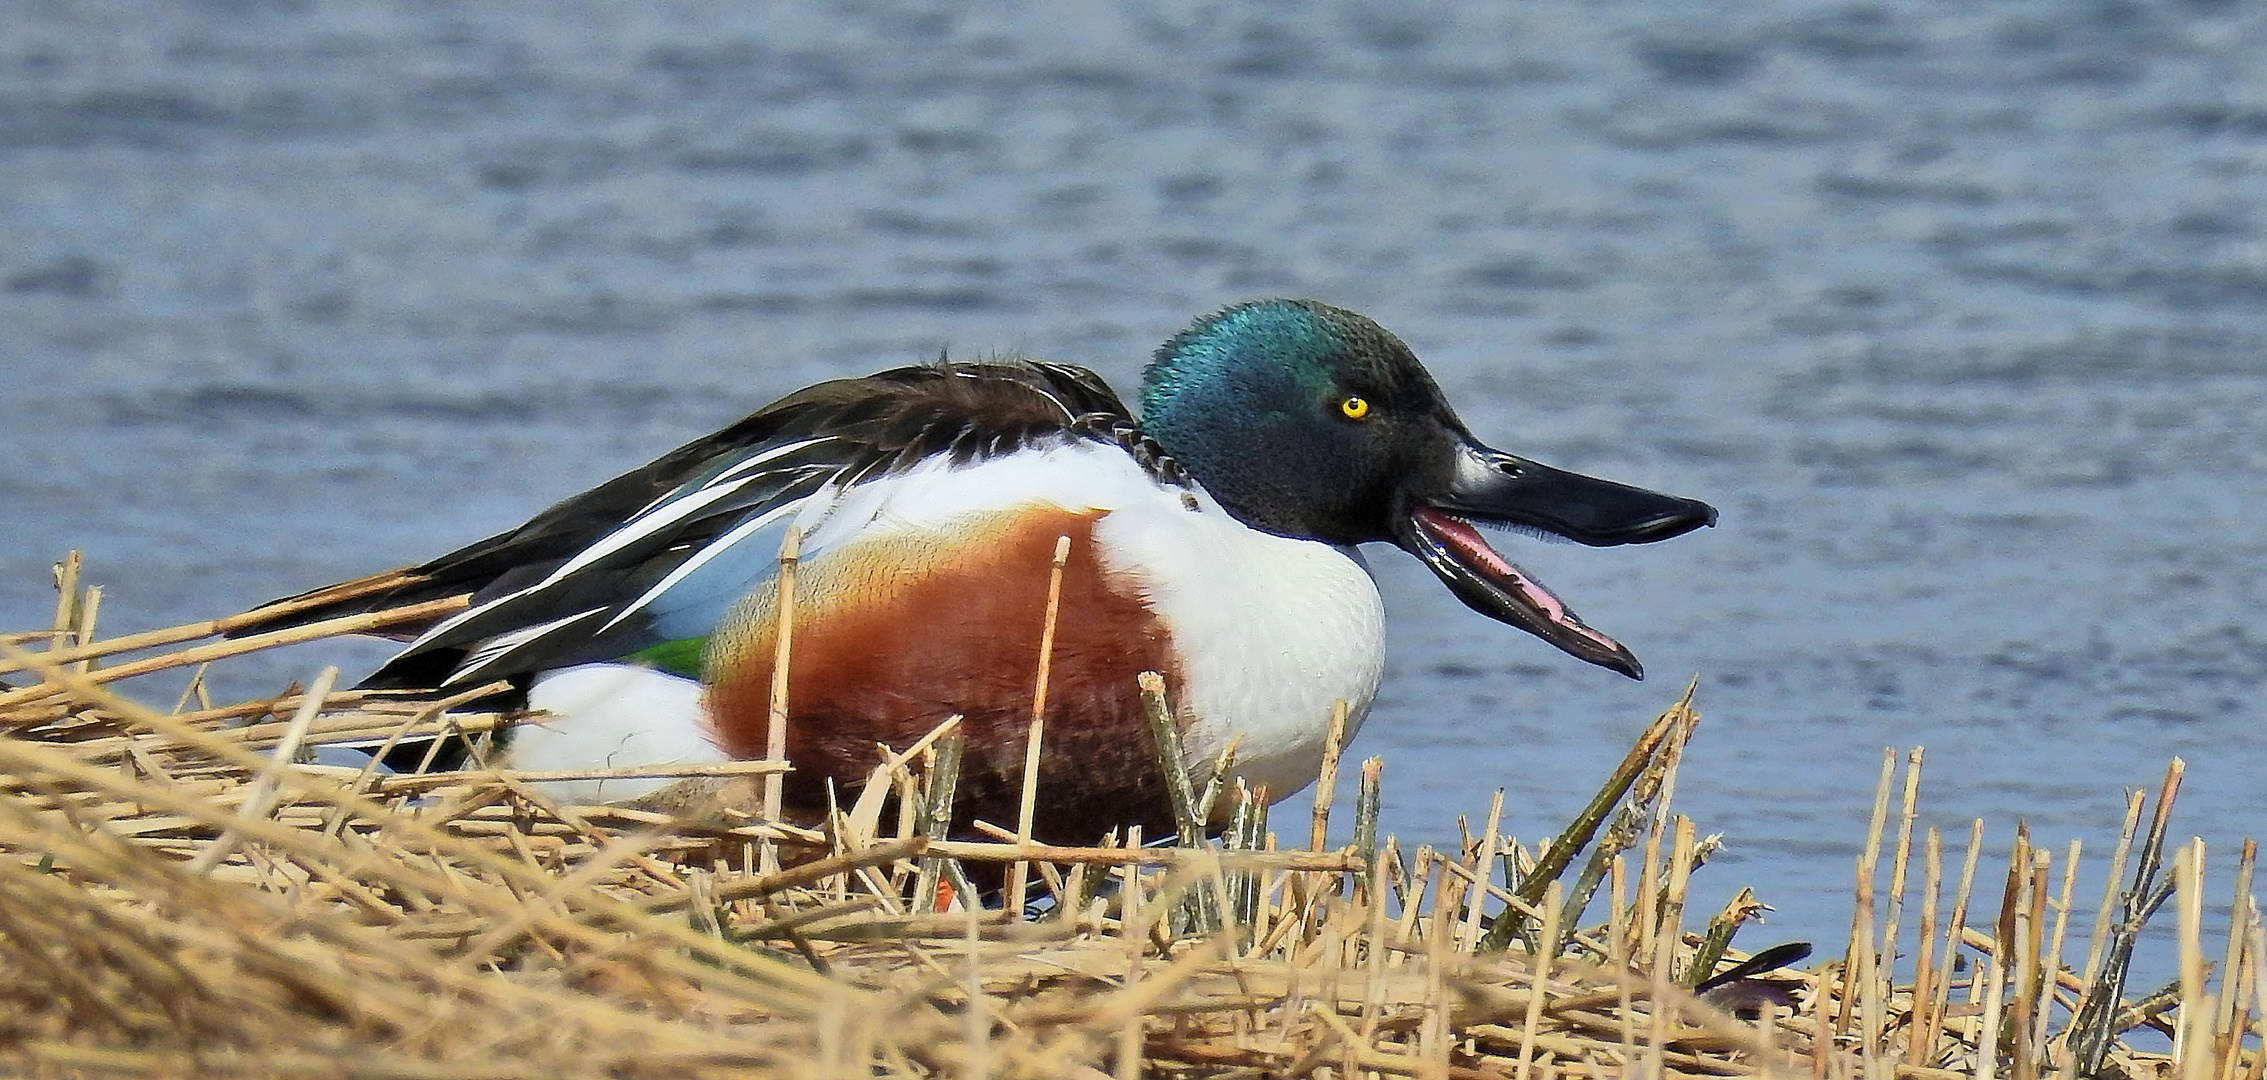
(775, 737)
(1019, 877)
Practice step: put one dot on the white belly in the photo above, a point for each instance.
(1273, 633)
(607, 716)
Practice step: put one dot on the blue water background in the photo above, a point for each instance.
(1954, 308)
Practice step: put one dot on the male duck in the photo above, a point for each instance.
(1213, 541)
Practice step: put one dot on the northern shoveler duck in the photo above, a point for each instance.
(1212, 540)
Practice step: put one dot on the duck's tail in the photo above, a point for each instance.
(377, 592)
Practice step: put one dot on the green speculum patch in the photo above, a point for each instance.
(680, 657)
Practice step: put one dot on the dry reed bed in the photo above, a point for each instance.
(181, 894)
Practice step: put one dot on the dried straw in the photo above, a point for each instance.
(181, 894)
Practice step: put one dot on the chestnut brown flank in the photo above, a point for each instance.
(895, 634)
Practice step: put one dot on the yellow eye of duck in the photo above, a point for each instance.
(1355, 407)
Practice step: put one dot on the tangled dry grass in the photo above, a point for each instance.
(182, 893)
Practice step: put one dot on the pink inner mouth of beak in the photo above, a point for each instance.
(1463, 540)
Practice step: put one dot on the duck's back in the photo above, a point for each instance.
(607, 547)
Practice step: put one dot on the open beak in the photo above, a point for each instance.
(1492, 486)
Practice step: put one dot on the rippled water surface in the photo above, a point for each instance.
(1955, 309)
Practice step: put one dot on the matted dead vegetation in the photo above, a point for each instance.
(182, 894)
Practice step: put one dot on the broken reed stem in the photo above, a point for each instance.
(1216, 781)
(1882, 961)
(1019, 875)
(1239, 891)
(1861, 915)
(408, 782)
(1718, 937)
(1643, 756)
(2105, 917)
(1433, 1042)
(174, 635)
(1318, 831)
(1959, 921)
(1668, 935)
(1326, 785)
(82, 627)
(66, 574)
(1620, 959)
(1132, 930)
(1172, 760)
(1995, 986)
(1922, 1033)
(1539, 975)
(2193, 1037)
(1897, 871)
(1369, 800)
(350, 624)
(1672, 907)
(1649, 883)
(2053, 962)
(1468, 935)
(2257, 951)
(936, 821)
(2038, 979)
(2094, 1029)
(775, 736)
(2231, 966)
(1628, 822)
(2014, 912)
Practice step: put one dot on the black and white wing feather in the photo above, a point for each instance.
(659, 554)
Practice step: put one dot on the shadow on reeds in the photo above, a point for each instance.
(181, 894)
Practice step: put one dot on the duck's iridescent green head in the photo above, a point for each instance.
(1311, 421)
